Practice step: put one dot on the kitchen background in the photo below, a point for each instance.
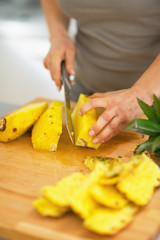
(23, 46)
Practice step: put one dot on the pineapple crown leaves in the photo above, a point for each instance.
(144, 126)
(149, 111)
(151, 145)
(150, 126)
(156, 105)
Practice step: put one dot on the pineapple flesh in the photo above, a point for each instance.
(47, 130)
(104, 209)
(17, 123)
(83, 123)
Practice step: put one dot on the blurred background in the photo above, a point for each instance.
(23, 46)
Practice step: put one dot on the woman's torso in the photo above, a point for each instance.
(116, 40)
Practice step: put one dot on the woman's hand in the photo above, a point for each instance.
(120, 107)
(62, 48)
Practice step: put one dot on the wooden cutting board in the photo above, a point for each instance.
(23, 171)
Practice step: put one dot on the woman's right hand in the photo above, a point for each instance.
(62, 48)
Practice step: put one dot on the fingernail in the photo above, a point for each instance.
(91, 133)
(72, 77)
(80, 113)
(95, 140)
(72, 71)
(59, 88)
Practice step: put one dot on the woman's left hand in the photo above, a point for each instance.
(120, 107)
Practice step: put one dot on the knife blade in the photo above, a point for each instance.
(67, 87)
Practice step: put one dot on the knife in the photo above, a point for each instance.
(67, 87)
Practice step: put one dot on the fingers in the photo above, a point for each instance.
(55, 69)
(111, 129)
(53, 63)
(69, 57)
(104, 119)
(97, 95)
(93, 103)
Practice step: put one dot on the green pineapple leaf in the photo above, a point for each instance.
(146, 146)
(144, 126)
(156, 104)
(157, 153)
(156, 144)
(148, 110)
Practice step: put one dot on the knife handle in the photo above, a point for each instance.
(65, 76)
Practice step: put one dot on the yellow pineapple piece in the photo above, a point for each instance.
(138, 186)
(17, 123)
(81, 201)
(108, 196)
(61, 193)
(46, 208)
(47, 130)
(83, 123)
(110, 221)
(91, 161)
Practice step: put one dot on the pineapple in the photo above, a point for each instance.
(150, 127)
(18, 122)
(104, 209)
(47, 130)
(83, 123)
(46, 208)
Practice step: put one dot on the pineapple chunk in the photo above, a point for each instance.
(108, 196)
(139, 185)
(110, 221)
(46, 208)
(83, 123)
(47, 130)
(61, 193)
(18, 122)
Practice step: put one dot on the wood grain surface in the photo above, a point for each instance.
(23, 171)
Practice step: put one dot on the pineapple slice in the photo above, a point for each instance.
(46, 208)
(110, 221)
(18, 122)
(139, 185)
(83, 123)
(61, 193)
(47, 130)
(108, 196)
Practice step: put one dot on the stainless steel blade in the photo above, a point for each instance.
(67, 88)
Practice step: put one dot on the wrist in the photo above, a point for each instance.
(143, 92)
(57, 32)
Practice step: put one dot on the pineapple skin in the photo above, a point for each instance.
(83, 123)
(47, 130)
(16, 124)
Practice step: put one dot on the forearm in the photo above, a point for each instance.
(149, 82)
(57, 21)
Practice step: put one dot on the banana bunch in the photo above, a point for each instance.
(150, 127)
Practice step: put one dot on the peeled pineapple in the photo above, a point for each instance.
(108, 196)
(47, 130)
(105, 209)
(83, 123)
(46, 208)
(17, 123)
(110, 221)
(138, 186)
